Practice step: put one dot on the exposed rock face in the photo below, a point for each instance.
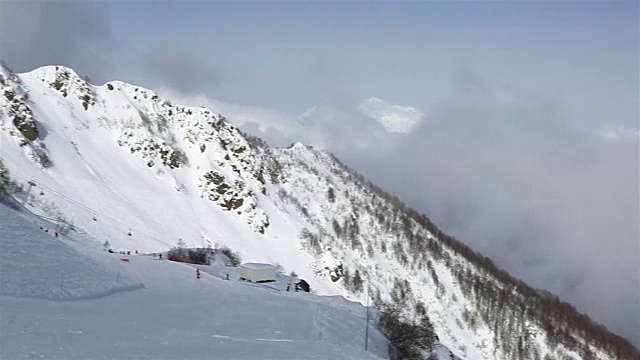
(14, 102)
(67, 81)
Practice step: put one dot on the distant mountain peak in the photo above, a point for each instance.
(394, 118)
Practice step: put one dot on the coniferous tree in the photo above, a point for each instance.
(357, 282)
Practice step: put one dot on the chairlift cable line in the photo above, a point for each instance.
(95, 211)
(90, 209)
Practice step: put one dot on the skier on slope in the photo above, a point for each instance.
(198, 273)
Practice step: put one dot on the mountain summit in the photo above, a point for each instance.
(394, 118)
(126, 167)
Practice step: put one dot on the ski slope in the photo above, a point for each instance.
(152, 309)
(34, 264)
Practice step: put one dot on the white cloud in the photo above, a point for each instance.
(618, 133)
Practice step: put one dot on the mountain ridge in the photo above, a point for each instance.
(274, 200)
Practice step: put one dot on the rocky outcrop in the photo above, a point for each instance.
(14, 101)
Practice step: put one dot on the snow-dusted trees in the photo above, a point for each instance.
(337, 229)
(311, 241)
(357, 281)
(411, 338)
(194, 256)
(331, 195)
(408, 328)
(4, 177)
(354, 283)
(233, 256)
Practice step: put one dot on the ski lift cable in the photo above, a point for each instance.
(92, 210)
(97, 212)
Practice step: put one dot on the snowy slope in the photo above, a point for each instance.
(173, 315)
(121, 165)
(34, 264)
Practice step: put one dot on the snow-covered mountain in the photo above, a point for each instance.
(395, 118)
(119, 164)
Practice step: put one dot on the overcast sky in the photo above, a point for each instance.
(528, 150)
